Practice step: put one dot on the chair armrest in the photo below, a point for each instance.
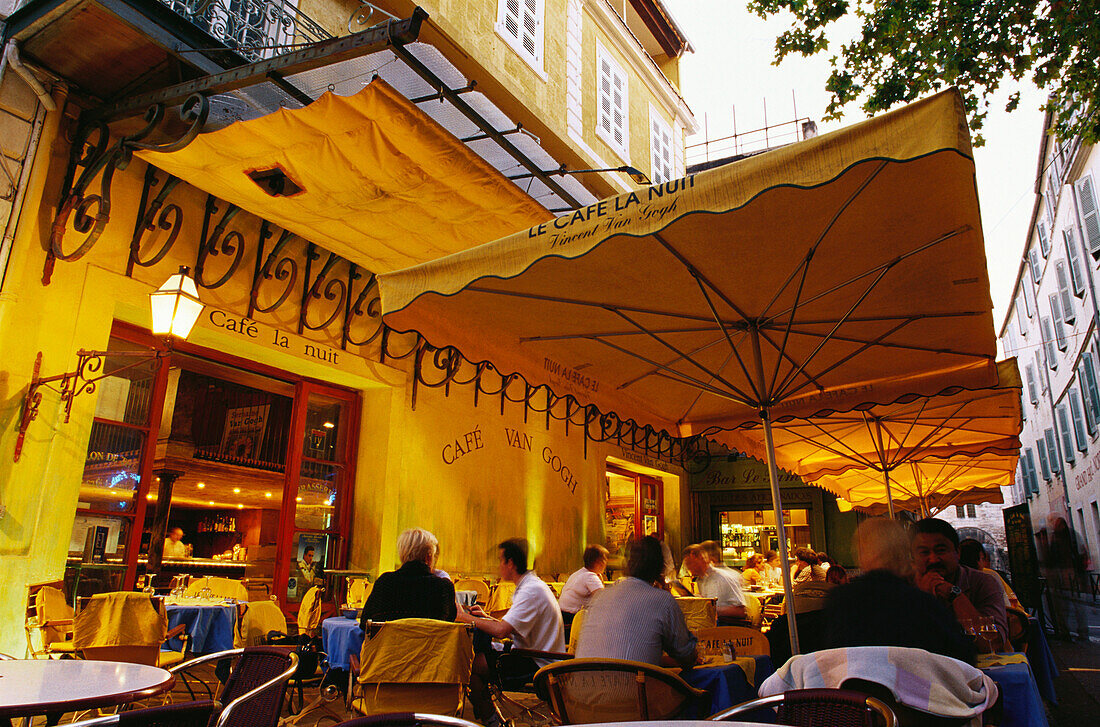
(536, 654)
(56, 622)
(177, 631)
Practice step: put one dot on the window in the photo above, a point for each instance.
(611, 99)
(1020, 320)
(1044, 238)
(1036, 265)
(1052, 191)
(519, 22)
(959, 511)
(1031, 480)
(1059, 321)
(1032, 391)
(971, 511)
(1044, 462)
(1052, 450)
(1079, 426)
(1048, 340)
(1076, 264)
(1091, 392)
(1067, 436)
(660, 148)
(1064, 294)
(1090, 215)
(1029, 299)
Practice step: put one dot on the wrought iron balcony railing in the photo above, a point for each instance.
(256, 29)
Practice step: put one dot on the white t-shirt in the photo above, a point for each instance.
(723, 584)
(174, 548)
(535, 617)
(578, 590)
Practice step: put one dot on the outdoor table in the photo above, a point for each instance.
(209, 623)
(1041, 660)
(340, 638)
(38, 686)
(1023, 707)
(727, 683)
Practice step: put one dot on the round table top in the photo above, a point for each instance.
(37, 686)
(676, 723)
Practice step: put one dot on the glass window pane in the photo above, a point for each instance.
(125, 396)
(111, 468)
(309, 558)
(103, 536)
(318, 490)
(326, 429)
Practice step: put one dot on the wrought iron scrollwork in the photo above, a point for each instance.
(152, 215)
(276, 266)
(218, 242)
(90, 213)
(367, 306)
(333, 290)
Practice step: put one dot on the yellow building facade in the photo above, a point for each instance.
(291, 418)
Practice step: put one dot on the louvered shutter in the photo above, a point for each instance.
(511, 18)
(1079, 427)
(1066, 297)
(1029, 302)
(1052, 450)
(1090, 215)
(1067, 435)
(661, 149)
(1092, 392)
(1044, 463)
(1076, 262)
(1020, 318)
(1032, 391)
(612, 98)
(1044, 239)
(1032, 478)
(521, 23)
(1036, 265)
(532, 28)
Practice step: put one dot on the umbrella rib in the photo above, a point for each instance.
(909, 430)
(783, 354)
(891, 344)
(614, 334)
(733, 346)
(683, 356)
(927, 440)
(854, 456)
(590, 304)
(900, 316)
(886, 265)
(844, 359)
(699, 276)
(805, 264)
(638, 378)
(673, 374)
(821, 345)
(689, 407)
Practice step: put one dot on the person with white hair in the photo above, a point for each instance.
(412, 591)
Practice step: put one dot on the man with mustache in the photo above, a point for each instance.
(970, 593)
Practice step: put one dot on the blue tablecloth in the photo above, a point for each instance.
(727, 683)
(210, 627)
(340, 638)
(1042, 661)
(1022, 705)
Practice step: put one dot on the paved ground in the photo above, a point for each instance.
(1078, 682)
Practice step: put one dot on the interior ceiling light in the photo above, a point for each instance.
(201, 485)
(328, 425)
(267, 494)
(237, 490)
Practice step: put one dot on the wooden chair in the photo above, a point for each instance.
(474, 584)
(814, 707)
(746, 641)
(412, 664)
(585, 691)
(49, 616)
(500, 600)
(358, 591)
(254, 693)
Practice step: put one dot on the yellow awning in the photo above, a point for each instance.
(382, 184)
(926, 485)
(885, 436)
(841, 270)
(934, 503)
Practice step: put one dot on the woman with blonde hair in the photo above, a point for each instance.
(883, 544)
(412, 591)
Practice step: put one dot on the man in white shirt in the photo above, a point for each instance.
(174, 547)
(533, 621)
(717, 583)
(583, 582)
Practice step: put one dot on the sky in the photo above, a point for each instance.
(730, 77)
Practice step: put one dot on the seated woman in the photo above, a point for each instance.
(806, 567)
(412, 591)
(753, 575)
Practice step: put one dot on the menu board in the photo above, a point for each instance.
(1022, 558)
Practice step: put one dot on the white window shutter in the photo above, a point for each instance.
(1032, 478)
(1067, 436)
(1059, 322)
(611, 112)
(1079, 426)
(511, 20)
(1076, 262)
(1092, 392)
(1032, 391)
(660, 145)
(1028, 299)
(1066, 297)
(1090, 215)
(1048, 343)
(1044, 238)
(1036, 265)
(1043, 461)
(1052, 451)
(532, 28)
(1020, 318)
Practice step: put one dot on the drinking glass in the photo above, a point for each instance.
(989, 634)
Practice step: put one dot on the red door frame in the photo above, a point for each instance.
(639, 480)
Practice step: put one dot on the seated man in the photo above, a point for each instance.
(970, 593)
(583, 583)
(533, 622)
(635, 619)
(717, 583)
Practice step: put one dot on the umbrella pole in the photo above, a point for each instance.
(781, 530)
(889, 495)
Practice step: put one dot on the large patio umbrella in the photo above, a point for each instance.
(881, 439)
(928, 485)
(841, 270)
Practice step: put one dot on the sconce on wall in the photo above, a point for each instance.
(175, 308)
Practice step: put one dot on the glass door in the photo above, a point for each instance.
(317, 501)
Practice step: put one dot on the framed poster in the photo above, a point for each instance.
(244, 432)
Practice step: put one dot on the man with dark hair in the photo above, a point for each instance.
(969, 593)
(583, 582)
(634, 618)
(719, 584)
(533, 621)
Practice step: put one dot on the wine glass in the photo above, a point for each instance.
(989, 634)
(148, 588)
